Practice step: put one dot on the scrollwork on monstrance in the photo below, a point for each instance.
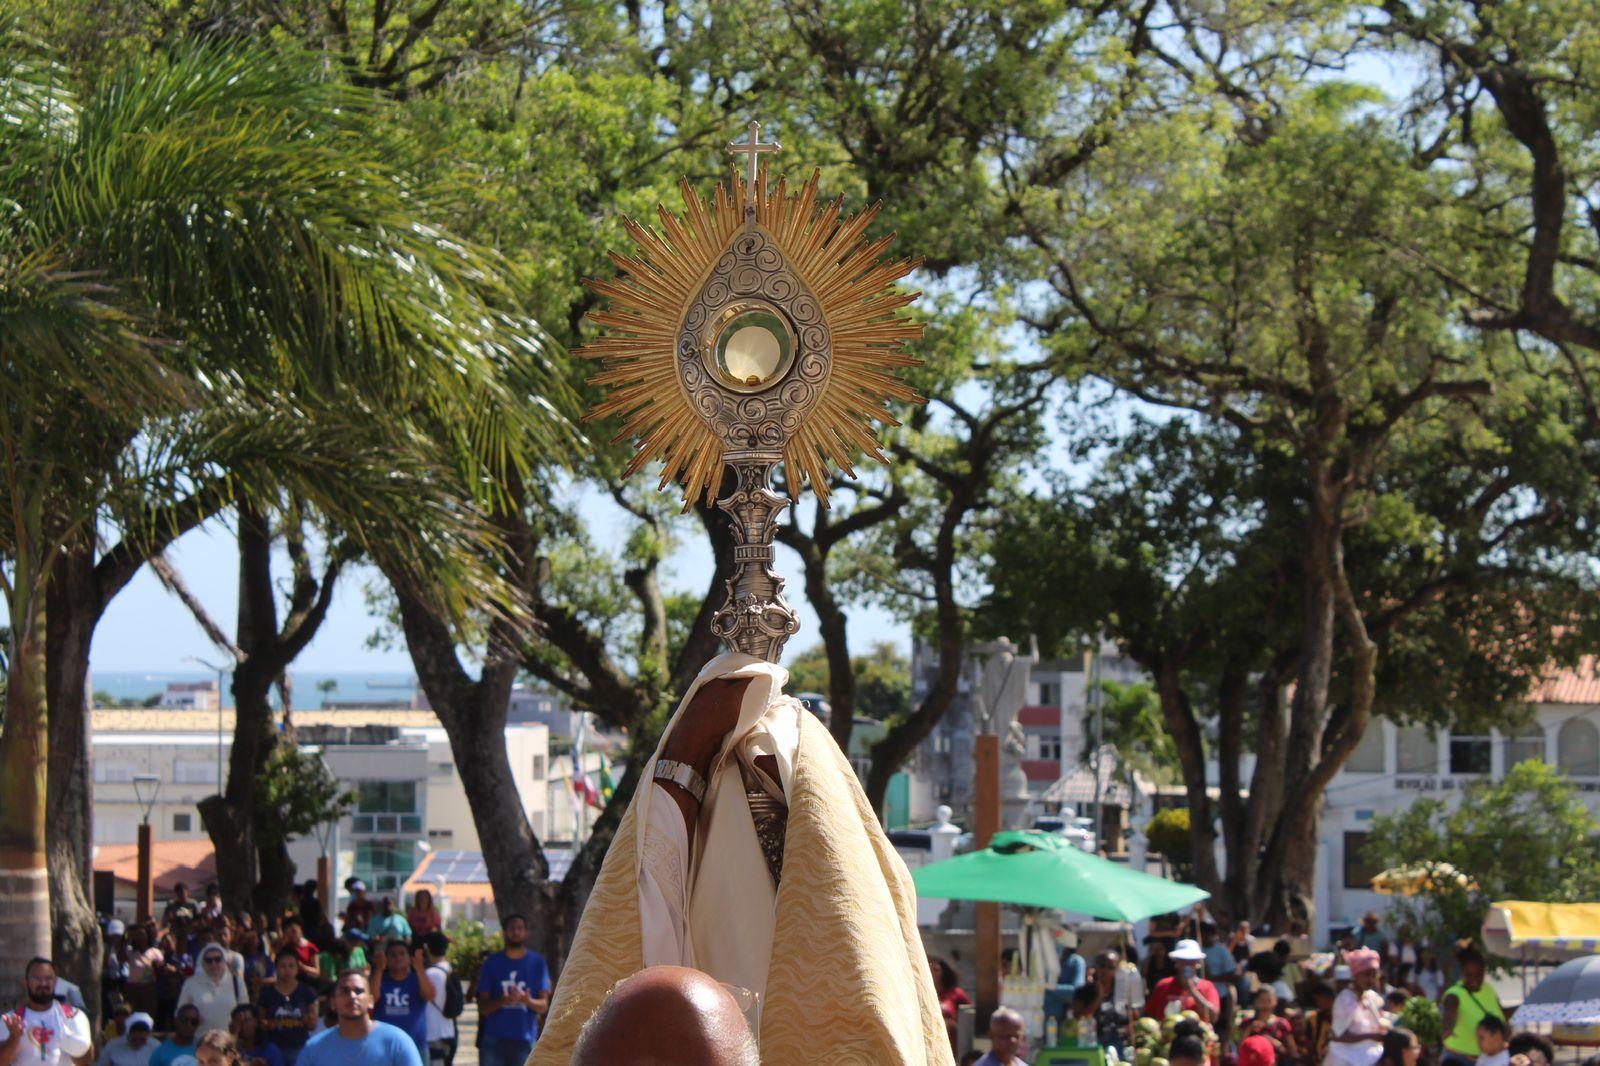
(757, 328)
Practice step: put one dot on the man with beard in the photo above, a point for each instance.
(53, 1032)
(513, 988)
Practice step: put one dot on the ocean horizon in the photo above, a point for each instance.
(309, 687)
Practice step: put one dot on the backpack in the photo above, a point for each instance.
(455, 997)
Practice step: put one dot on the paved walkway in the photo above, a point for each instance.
(467, 1035)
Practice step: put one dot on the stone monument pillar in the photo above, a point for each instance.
(1000, 677)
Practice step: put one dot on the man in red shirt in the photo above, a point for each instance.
(1187, 990)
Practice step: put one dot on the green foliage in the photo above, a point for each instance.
(1133, 729)
(1526, 836)
(1421, 1015)
(1168, 834)
(883, 679)
(295, 793)
(469, 946)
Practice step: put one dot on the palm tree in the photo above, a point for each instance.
(220, 281)
(1134, 734)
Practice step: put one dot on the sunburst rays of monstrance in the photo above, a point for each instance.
(760, 327)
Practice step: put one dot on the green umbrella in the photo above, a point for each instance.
(1035, 869)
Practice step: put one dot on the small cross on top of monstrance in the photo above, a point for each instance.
(761, 327)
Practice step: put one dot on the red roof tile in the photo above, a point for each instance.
(193, 862)
(1578, 684)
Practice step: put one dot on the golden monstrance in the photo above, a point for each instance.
(755, 329)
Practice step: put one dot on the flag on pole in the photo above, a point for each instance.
(582, 787)
(607, 786)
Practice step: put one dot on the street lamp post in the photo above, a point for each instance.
(221, 671)
(328, 859)
(145, 902)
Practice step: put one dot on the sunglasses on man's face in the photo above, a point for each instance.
(213, 958)
(189, 1019)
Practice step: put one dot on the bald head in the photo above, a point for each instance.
(667, 1016)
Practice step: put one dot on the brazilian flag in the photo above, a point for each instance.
(607, 786)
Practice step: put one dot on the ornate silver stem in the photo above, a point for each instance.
(755, 618)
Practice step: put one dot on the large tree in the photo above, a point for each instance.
(238, 224)
(1184, 548)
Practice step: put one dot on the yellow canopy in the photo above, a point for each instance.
(1555, 929)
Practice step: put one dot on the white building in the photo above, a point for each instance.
(409, 797)
(191, 695)
(1394, 765)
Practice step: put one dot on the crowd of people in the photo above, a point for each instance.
(1239, 1000)
(205, 987)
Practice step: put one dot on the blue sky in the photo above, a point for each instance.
(146, 628)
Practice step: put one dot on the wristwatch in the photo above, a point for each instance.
(684, 776)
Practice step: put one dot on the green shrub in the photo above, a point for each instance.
(1421, 1016)
(1168, 834)
(469, 946)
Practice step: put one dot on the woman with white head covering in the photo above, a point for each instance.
(214, 990)
(1358, 1021)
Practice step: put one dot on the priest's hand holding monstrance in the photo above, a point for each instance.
(759, 328)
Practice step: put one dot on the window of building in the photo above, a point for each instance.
(1050, 746)
(194, 773)
(1578, 748)
(113, 773)
(1470, 754)
(443, 769)
(1526, 743)
(1049, 694)
(385, 864)
(386, 807)
(441, 836)
(183, 823)
(539, 767)
(1416, 751)
(1368, 758)
(1358, 872)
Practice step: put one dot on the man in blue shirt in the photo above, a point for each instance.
(180, 1050)
(513, 989)
(358, 1040)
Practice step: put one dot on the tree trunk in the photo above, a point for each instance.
(832, 622)
(72, 613)
(1234, 903)
(24, 754)
(473, 714)
(902, 739)
(229, 816)
(1178, 713)
(579, 882)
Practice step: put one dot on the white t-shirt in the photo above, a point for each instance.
(1499, 1058)
(57, 1034)
(1361, 1014)
(439, 1027)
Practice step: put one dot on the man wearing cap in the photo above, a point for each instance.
(358, 912)
(113, 966)
(1186, 990)
(134, 1047)
(1358, 1018)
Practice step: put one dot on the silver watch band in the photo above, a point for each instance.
(684, 776)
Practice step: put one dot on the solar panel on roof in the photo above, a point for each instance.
(467, 867)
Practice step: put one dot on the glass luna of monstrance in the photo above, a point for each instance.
(757, 328)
